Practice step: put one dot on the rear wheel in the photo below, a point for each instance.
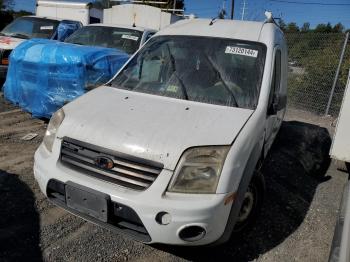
(252, 203)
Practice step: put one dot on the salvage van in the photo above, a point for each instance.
(170, 150)
(28, 27)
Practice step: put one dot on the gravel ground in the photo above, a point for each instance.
(296, 223)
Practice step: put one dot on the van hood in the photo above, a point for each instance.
(147, 126)
(10, 43)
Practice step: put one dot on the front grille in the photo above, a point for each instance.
(128, 171)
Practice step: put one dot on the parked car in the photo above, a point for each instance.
(28, 27)
(61, 72)
(170, 150)
(121, 37)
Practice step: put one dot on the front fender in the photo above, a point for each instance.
(247, 175)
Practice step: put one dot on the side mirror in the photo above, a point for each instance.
(273, 107)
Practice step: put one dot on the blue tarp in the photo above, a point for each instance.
(66, 28)
(43, 74)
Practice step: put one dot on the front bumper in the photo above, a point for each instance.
(207, 211)
(3, 71)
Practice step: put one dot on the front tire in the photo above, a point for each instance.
(251, 204)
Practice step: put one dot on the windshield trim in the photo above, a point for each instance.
(67, 40)
(263, 47)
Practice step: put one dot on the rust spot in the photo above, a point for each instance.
(230, 198)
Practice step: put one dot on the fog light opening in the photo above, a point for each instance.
(163, 218)
(192, 233)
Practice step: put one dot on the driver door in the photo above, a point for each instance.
(274, 111)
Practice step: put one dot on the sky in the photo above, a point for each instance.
(319, 11)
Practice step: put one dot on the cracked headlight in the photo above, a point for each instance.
(199, 170)
(52, 128)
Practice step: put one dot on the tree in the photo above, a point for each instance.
(338, 28)
(282, 24)
(305, 28)
(324, 28)
(292, 28)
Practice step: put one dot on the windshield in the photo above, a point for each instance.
(112, 37)
(209, 70)
(31, 27)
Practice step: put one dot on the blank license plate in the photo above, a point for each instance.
(87, 201)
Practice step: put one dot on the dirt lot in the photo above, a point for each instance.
(296, 224)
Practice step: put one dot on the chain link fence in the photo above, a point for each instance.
(314, 60)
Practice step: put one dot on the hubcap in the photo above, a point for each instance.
(247, 206)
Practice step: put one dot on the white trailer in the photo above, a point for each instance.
(86, 12)
(340, 149)
(139, 15)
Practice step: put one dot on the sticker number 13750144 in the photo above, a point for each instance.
(234, 50)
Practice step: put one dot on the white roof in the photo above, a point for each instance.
(71, 4)
(45, 17)
(245, 30)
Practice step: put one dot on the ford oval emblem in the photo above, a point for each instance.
(104, 162)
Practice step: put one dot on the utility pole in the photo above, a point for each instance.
(174, 7)
(232, 9)
(243, 9)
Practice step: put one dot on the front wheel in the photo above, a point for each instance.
(252, 203)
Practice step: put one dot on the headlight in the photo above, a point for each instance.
(52, 128)
(199, 170)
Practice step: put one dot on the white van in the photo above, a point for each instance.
(169, 151)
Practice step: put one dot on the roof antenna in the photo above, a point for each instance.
(213, 20)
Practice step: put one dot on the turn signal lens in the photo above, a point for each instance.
(5, 61)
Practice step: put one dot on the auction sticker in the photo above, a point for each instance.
(130, 37)
(47, 27)
(235, 50)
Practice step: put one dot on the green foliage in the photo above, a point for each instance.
(305, 28)
(292, 28)
(314, 58)
(282, 24)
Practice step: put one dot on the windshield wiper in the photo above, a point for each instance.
(2, 34)
(20, 35)
(172, 59)
(222, 80)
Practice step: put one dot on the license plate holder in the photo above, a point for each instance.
(87, 201)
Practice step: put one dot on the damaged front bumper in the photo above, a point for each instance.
(149, 216)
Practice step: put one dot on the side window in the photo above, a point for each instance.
(276, 78)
